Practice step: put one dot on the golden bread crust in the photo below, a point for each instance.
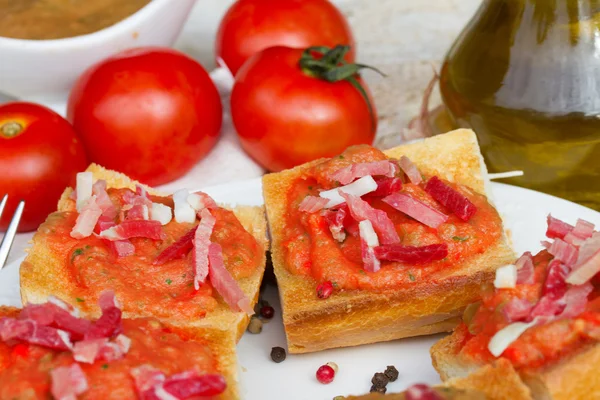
(351, 318)
(43, 275)
(573, 377)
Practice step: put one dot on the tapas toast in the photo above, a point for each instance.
(540, 319)
(112, 233)
(370, 246)
(47, 350)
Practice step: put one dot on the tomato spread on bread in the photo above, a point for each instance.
(162, 256)
(543, 307)
(47, 349)
(364, 221)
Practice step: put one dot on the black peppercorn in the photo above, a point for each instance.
(378, 389)
(278, 354)
(379, 379)
(391, 373)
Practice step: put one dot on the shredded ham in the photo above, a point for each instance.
(108, 300)
(134, 228)
(454, 201)
(224, 283)
(68, 382)
(555, 285)
(564, 252)
(146, 378)
(335, 220)
(576, 299)
(583, 229)
(416, 209)
(31, 332)
(139, 211)
(411, 170)
(412, 254)
(179, 249)
(368, 242)
(517, 309)
(123, 342)
(109, 324)
(152, 384)
(86, 351)
(103, 224)
(201, 246)
(360, 210)
(121, 248)
(525, 270)
(49, 314)
(557, 228)
(200, 200)
(387, 186)
(87, 219)
(312, 204)
(103, 200)
(186, 385)
(573, 239)
(588, 261)
(348, 174)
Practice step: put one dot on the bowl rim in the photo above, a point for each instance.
(117, 29)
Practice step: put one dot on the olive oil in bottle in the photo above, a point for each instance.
(525, 76)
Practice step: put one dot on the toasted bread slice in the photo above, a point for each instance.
(351, 318)
(573, 377)
(444, 393)
(42, 274)
(497, 381)
(221, 345)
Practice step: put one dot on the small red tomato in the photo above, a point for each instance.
(150, 113)
(40, 155)
(324, 290)
(287, 114)
(250, 26)
(325, 374)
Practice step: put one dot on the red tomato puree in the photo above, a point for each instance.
(25, 369)
(539, 345)
(163, 291)
(311, 250)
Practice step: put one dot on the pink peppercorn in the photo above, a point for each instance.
(324, 290)
(325, 374)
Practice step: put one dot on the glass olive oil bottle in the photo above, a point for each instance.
(525, 76)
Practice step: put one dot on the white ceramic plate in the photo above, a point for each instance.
(524, 212)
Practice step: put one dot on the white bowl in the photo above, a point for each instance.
(48, 68)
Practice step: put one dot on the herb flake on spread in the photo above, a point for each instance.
(460, 239)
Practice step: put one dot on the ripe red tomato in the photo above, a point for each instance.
(150, 113)
(250, 26)
(285, 116)
(40, 155)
